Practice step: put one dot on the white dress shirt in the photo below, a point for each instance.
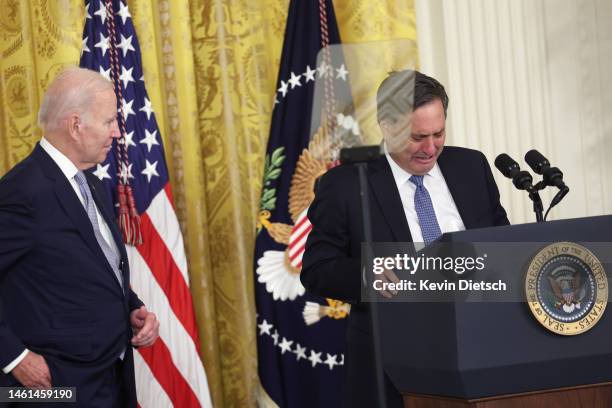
(444, 206)
(69, 170)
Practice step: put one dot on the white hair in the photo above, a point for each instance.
(70, 92)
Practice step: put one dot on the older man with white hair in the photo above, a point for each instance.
(69, 317)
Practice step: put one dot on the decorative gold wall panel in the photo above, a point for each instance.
(210, 69)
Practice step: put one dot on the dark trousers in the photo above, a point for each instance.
(360, 387)
(113, 392)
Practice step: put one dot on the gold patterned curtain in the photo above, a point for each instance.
(210, 68)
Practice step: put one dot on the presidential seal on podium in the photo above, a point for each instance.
(566, 288)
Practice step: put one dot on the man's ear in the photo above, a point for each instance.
(386, 125)
(389, 127)
(74, 125)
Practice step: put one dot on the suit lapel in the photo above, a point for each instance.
(99, 198)
(102, 208)
(387, 196)
(72, 205)
(458, 185)
(75, 211)
(101, 203)
(68, 200)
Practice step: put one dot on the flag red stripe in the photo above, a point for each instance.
(159, 360)
(299, 252)
(161, 263)
(301, 222)
(305, 232)
(168, 191)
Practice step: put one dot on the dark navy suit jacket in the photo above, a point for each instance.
(59, 295)
(331, 263)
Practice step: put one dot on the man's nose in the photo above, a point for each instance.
(115, 133)
(428, 145)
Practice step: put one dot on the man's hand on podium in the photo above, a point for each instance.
(386, 277)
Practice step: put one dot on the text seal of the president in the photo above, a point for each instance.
(566, 288)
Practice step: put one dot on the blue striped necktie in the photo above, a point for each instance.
(425, 211)
(110, 254)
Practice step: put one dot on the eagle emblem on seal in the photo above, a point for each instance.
(567, 288)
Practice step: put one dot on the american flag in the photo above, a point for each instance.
(170, 373)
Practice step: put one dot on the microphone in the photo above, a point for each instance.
(552, 176)
(509, 168)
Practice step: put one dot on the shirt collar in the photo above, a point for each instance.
(66, 166)
(401, 176)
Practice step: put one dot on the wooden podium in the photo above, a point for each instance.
(589, 396)
(494, 354)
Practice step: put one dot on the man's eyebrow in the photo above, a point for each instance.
(422, 134)
(428, 134)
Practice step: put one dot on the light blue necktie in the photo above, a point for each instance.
(110, 254)
(425, 211)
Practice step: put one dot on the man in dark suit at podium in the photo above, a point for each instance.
(418, 190)
(69, 317)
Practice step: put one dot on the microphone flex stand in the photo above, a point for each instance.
(359, 156)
